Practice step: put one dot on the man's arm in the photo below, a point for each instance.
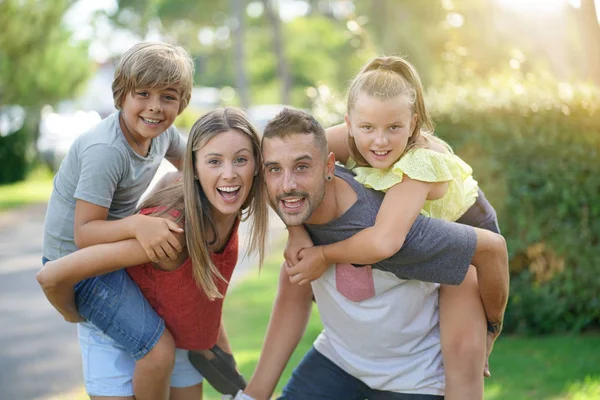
(289, 318)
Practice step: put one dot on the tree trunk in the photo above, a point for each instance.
(239, 54)
(283, 71)
(591, 39)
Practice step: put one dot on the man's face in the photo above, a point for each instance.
(295, 174)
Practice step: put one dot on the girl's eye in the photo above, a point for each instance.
(395, 127)
(367, 127)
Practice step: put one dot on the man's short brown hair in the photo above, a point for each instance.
(153, 65)
(290, 122)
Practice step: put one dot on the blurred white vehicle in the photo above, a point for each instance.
(260, 115)
(59, 130)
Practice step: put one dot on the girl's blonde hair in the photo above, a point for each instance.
(386, 78)
(152, 65)
(189, 198)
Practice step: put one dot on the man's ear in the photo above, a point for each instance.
(330, 164)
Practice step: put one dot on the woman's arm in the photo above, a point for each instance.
(400, 207)
(337, 142)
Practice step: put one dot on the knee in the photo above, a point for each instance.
(466, 353)
(162, 355)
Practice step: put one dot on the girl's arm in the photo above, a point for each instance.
(298, 239)
(400, 207)
(58, 278)
(337, 142)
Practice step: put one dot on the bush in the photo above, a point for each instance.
(534, 146)
(17, 153)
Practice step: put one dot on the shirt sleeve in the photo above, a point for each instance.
(434, 251)
(177, 145)
(101, 167)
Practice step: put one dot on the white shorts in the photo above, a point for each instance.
(108, 367)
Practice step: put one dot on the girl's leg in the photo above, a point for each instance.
(116, 306)
(463, 338)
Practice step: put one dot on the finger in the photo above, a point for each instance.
(152, 255)
(173, 227)
(160, 254)
(296, 278)
(175, 244)
(170, 251)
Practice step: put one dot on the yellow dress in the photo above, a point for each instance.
(427, 166)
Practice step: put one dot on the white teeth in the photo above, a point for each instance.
(380, 153)
(292, 201)
(151, 121)
(229, 188)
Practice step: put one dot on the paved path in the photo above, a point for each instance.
(39, 354)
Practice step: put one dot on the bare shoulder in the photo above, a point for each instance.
(437, 145)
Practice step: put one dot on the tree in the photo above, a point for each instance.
(590, 31)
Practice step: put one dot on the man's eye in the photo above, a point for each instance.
(302, 167)
(274, 169)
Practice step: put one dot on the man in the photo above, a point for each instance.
(381, 336)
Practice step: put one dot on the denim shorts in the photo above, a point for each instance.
(108, 367)
(116, 306)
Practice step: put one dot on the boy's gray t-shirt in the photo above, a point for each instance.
(434, 250)
(102, 168)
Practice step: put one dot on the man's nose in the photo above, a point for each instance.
(289, 182)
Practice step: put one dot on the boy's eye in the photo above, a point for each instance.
(170, 98)
(143, 94)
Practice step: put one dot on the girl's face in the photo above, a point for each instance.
(381, 128)
(225, 168)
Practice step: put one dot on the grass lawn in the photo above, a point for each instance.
(35, 189)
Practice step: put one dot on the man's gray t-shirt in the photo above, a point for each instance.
(434, 250)
(102, 168)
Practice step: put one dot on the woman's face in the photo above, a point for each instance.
(225, 167)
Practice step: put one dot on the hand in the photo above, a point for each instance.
(491, 339)
(312, 266)
(298, 239)
(157, 239)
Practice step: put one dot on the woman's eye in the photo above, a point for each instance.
(214, 162)
(241, 160)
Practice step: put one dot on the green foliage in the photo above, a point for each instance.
(39, 64)
(534, 147)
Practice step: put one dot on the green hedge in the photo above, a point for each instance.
(535, 150)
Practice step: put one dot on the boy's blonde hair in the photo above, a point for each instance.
(386, 78)
(151, 65)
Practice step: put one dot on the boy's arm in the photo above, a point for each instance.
(156, 235)
(289, 318)
(176, 149)
(58, 278)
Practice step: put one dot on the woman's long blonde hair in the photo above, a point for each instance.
(189, 198)
(386, 78)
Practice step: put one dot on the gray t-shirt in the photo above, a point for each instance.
(102, 168)
(434, 250)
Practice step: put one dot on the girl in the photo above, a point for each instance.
(222, 185)
(388, 142)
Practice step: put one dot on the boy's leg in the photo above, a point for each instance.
(463, 338)
(317, 377)
(115, 304)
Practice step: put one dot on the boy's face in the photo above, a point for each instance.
(149, 112)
